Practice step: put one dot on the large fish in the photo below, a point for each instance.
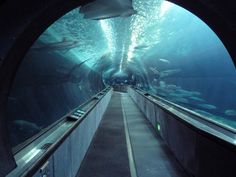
(180, 100)
(230, 112)
(104, 9)
(207, 106)
(197, 99)
(65, 45)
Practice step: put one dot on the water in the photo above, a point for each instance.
(206, 77)
(162, 49)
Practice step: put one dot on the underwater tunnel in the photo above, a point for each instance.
(129, 88)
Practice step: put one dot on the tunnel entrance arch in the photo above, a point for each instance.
(47, 13)
(33, 27)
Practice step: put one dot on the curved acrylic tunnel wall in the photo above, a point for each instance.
(159, 47)
(51, 81)
(166, 50)
(189, 65)
(44, 91)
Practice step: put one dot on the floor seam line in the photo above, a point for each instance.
(132, 167)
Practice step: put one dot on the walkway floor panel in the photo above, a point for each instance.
(151, 155)
(108, 153)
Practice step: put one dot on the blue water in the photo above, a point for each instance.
(164, 49)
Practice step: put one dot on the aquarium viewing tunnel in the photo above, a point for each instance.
(117, 88)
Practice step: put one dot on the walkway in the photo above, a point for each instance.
(126, 145)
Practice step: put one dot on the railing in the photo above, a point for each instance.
(199, 121)
(31, 156)
(202, 146)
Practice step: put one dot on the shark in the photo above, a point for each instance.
(64, 45)
(103, 9)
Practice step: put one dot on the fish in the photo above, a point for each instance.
(230, 112)
(173, 87)
(207, 106)
(103, 9)
(64, 45)
(176, 95)
(180, 100)
(26, 126)
(164, 60)
(74, 68)
(196, 99)
(187, 93)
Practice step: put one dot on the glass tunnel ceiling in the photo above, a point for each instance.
(162, 48)
(158, 47)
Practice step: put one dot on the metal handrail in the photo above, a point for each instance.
(21, 146)
(184, 110)
(52, 148)
(209, 128)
